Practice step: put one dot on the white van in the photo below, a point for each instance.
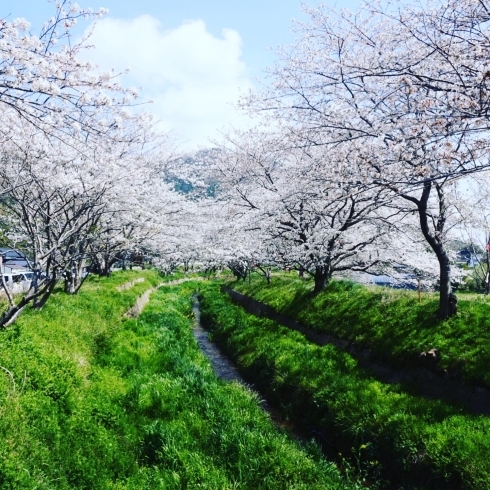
(17, 281)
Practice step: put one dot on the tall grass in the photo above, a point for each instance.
(92, 400)
(407, 441)
(395, 326)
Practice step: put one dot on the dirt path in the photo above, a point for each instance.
(143, 300)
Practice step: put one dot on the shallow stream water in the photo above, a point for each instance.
(225, 369)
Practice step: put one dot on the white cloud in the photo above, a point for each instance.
(192, 76)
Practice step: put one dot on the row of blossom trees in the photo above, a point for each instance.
(370, 125)
(368, 133)
(80, 173)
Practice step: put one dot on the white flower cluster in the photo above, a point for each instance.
(79, 170)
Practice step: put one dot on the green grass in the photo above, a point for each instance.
(395, 326)
(93, 400)
(404, 440)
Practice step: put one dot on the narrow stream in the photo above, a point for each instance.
(226, 370)
(223, 367)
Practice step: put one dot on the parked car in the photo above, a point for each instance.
(18, 281)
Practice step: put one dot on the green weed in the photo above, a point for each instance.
(392, 323)
(411, 441)
(92, 400)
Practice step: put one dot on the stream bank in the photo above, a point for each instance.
(423, 381)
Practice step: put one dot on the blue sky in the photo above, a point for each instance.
(193, 58)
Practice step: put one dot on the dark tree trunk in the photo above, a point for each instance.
(322, 277)
(447, 299)
(106, 270)
(12, 313)
(447, 306)
(104, 266)
(38, 299)
(74, 279)
(69, 286)
(239, 270)
(266, 272)
(41, 300)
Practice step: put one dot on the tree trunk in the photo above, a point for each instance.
(322, 277)
(11, 314)
(40, 301)
(266, 272)
(74, 278)
(69, 286)
(268, 275)
(487, 273)
(447, 299)
(38, 295)
(106, 266)
(15, 310)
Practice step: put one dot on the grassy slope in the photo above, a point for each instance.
(54, 419)
(419, 443)
(95, 401)
(391, 322)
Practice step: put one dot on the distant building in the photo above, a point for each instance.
(15, 270)
(474, 260)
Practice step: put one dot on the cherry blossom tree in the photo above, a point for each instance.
(407, 86)
(80, 175)
(44, 82)
(305, 206)
(64, 210)
(45, 221)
